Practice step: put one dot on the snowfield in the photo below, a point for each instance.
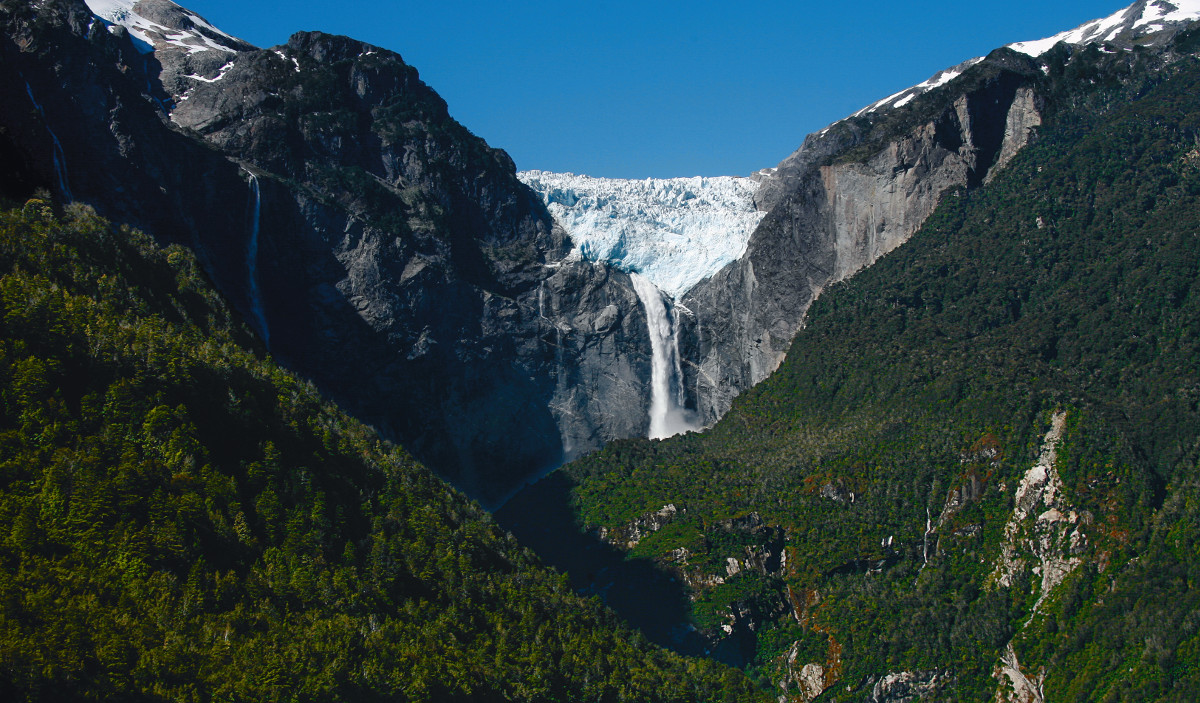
(673, 231)
(149, 35)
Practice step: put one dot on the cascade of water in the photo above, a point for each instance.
(680, 392)
(699, 355)
(667, 415)
(60, 167)
(256, 306)
(56, 154)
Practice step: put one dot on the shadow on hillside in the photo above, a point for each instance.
(644, 595)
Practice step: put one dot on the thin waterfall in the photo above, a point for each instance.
(667, 415)
(680, 391)
(60, 166)
(56, 154)
(256, 306)
(699, 357)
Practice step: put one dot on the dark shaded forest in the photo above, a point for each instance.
(182, 519)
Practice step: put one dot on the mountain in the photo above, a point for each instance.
(378, 247)
(946, 350)
(395, 259)
(851, 193)
(972, 474)
(185, 520)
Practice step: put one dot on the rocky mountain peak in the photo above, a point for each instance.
(161, 25)
(1146, 22)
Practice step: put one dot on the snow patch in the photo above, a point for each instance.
(220, 74)
(149, 36)
(1154, 17)
(675, 231)
(295, 61)
(907, 95)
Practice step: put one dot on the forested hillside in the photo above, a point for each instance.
(181, 519)
(976, 471)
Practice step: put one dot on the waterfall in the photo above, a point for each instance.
(60, 166)
(667, 415)
(256, 308)
(56, 154)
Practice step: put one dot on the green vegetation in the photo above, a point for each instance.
(921, 390)
(181, 519)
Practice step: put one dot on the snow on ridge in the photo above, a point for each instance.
(673, 231)
(149, 35)
(907, 95)
(1154, 16)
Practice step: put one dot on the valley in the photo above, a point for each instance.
(298, 370)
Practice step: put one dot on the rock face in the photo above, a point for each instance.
(846, 198)
(375, 244)
(403, 269)
(849, 195)
(909, 686)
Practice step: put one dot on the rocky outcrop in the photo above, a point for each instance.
(1043, 527)
(1047, 536)
(909, 686)
(628, 536)
(832, 212)
(801, 683)
(1015, 685)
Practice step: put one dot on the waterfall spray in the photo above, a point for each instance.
(256, 306)
(667, 415)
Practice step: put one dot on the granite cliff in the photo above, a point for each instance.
(844, 199)
(373, 243)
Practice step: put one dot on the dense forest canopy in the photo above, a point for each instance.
(890, 445)
(182, 519)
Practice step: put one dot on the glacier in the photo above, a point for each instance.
(673, 231)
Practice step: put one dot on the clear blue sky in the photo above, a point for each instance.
(640, 88)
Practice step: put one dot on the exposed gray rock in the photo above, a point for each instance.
(628, 536)
(830, 217)
(1023, 118)
(396, 259)
(908, 686)
(800, 683)
(1015, 685)
(601, 368)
